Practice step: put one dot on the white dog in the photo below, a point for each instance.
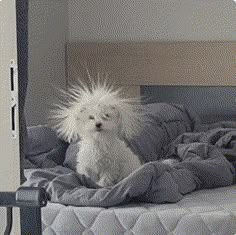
(102, 120)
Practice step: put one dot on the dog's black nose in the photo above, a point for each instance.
(98, 124)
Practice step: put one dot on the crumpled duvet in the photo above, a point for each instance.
(202, 164)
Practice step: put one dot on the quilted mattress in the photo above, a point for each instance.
(203, 212)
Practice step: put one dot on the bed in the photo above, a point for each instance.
(194, 107)
(208, 211)
(202, 211)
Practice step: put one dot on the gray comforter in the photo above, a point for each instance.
(200, 150)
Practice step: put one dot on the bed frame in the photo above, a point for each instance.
(210, 103)
(30, 200)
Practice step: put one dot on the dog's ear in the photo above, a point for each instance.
(64, 121)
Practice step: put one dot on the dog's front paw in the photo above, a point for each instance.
(105, 182)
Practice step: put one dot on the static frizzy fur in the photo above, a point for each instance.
(63, 117)
(101, 119)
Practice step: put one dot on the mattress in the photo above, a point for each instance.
(203, 212)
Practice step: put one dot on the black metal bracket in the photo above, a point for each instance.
(30, 200)
(31, 197)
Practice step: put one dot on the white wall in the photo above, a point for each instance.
(112, 20)
(47, 37)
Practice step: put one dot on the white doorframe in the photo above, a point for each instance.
(9, 120)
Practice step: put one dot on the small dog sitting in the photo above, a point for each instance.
(100, 121)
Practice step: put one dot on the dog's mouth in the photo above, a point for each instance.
(98, 129)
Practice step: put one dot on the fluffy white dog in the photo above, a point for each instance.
(102, 120)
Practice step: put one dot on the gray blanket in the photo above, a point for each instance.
(202, 164)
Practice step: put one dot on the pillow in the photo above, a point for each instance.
(43, 148)
(168, 122)
(41, 139)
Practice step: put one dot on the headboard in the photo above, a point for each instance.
(200, 74)
(210, 103)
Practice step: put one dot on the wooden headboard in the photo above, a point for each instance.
(131, 64)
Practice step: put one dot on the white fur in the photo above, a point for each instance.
(103, 155)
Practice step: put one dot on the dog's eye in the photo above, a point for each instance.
(106, 116)
(91, 117)
(82, 110)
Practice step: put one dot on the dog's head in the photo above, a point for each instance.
(94, 120)
(97, 111)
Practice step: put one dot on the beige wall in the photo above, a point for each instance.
(47, 38)
(151, 20)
